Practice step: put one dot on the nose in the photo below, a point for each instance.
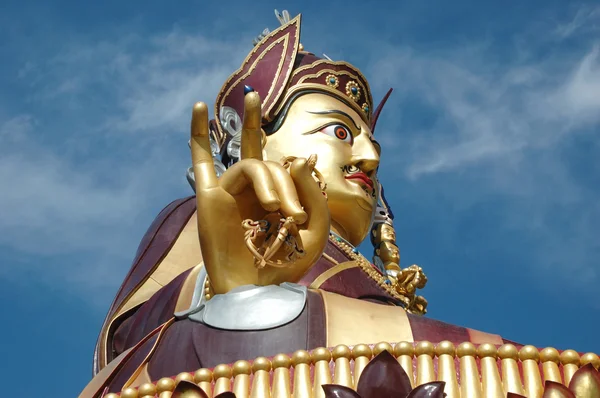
(364, 154)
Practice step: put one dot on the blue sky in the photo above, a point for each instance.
(489, 161)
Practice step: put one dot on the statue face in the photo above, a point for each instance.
(347, 157)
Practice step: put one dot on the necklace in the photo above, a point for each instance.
(365, 265)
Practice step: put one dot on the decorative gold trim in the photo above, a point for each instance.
(332, 81)
(354, 96)
(368, 269)
(295, 21)
(103, 375)
(332, 72)
(330, 259)
(285, 40)
(142, 366)
(331, 272)
(336, 63)
(343, 365)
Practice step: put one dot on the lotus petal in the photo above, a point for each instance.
(337, 391)
(383, 377)
(187, 389)
(435, 389)
(586, 382)
(227, 394)
(556, 390)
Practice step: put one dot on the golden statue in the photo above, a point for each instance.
(254, 286)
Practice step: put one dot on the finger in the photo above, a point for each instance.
(202, 161)
(251, 172)
(251, 146)
(310, 195)
(290, 203)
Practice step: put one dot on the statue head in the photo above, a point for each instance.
(310, 105)
(316, 106)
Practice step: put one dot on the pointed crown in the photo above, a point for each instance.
(277, 68)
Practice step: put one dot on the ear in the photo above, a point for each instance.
(267, 70)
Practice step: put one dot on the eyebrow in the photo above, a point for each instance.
(335, 111)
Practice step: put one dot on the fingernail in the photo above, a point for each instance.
(248, 89)
(311, 162)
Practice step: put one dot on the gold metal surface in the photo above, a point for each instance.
(470, 384)
(302, 385)
(351, 206)
(204, 378)
(425, 372)
(261, 386)
(491, 384)
(446, 353)
(405, 351)
(511, 378)
(570, 360)
(532, 379)
(281, 376)
(351, 322)
(222, 376)
(550, 358)
(252, 189)
(343, 374)
(362, 355)
(322, 375)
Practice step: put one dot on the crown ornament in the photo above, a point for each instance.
(278, 68)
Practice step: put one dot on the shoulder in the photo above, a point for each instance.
(157, 240)
(158, 246)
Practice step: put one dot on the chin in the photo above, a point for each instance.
(358, 225)
(353, 211)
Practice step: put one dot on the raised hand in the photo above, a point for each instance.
(253, 190)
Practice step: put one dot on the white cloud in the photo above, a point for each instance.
(504, 126)
(489, 112)
(586, 18)
(153, 81)
(87, 168)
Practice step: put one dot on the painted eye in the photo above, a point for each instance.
(340, 132)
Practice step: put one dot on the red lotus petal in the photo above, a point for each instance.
(188, 389)
(586, 382)
(553, 389)
(227, 394)
(383, 377)
(337, 391)
(435, 389)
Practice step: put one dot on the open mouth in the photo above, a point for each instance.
(361, 177)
